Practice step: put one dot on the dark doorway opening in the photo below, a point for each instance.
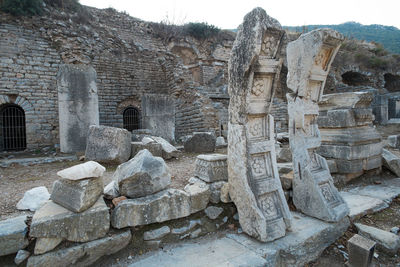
(131, 118)
(12, 128)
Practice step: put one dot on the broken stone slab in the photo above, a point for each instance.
(394, 141)
(77, 195)
(156, 233)
(143, 175)
(387, 191)
(53, 220)
(154, 148)
(13, 235)
(391, 161)
(350, 152)
(254, 67)
(21, 256)
(361, 251)
(45, 244)
(309, 59)
(82, 171)
(360, 205)
(82, 254)
(199, 193)
(200, 142)
(108, 144)
(211, 167)
(346, 100)
(168, 150)
(213, 212)
(386, 241)
(34, 198)
(163, 206)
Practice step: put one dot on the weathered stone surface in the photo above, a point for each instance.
(54, 221)
(117, 200)
(213, 212)
(162, 206)
(200, 142)
(215, 191)
(283, 154)
(137, 135)
(386, 241)
(13, 235)
(156, 233)
(351, 152)
(78, 106)
(143, 175)
(309, 59)
(224, 195)
(199, 193)
(347, 100)
(254, 69)
(361, 251)
(111, 190)
(169, 151)
(287, 180)
(33, 199)
(394, 141)
(391, 161)
(45, 244)
(21, 256)
(220, 142)
(360, 205)
(154, 148)
(82, 254)
(211, 167)
(82, 171)
(108, 144)
(77, 195)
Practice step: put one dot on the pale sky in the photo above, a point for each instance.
(229, 14)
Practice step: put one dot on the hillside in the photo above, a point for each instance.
(388, 36)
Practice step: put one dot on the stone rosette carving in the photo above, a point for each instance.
(254, 184)
(309, 59)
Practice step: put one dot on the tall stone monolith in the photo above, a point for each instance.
(254, 69)
(309, 59)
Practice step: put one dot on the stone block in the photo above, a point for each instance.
(220, 142)
(154, 148)
(386, 241)
(34, 198)
(394, 141)
(54, 221)
(21, 256)
(347, 100)
(163, 206)
(108, 144)
(168, 150)
(13, 235)
(332, 166)
(213, 212)
(200, 142)
(142, 175)
(361, 251)
(199, 196)
(44, 244)
(350, 152)
(287, 180)
(82, 171)
(77, 195)
(283, 154)
(350, 136)
(156, 233)
(82, 254)
(137, 135)
(211, 167)
(215, 191)
(391, 161)
(338, 118)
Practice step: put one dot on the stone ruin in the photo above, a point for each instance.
(255, 187)
(309, 59)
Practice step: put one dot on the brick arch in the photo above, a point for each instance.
(133, 102)
(17, 100)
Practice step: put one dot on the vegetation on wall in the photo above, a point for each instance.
(36, 7)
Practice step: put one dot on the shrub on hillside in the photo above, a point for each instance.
(72, 5)
(22, 7)
(201, 30)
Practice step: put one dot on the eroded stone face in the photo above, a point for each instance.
(211, 168)
(254, 184)
(309, 59)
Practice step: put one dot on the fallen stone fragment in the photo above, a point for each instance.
(394, 141)
(391, 161)
(386, 241)
(361, 251)
(215, 189)
(81, 171)
(13, 235)
(33, 199)
(200, 142)
(111, 190)
(213, 212)
(163, 206)
(143, 175)
(199, 196)
(77, 195)
(21, 256)
(211, 167)
(154, 148)
(44, 244)
(108, 144)
(82, 254)
(156, 233)
(168, 150)
(53, 220)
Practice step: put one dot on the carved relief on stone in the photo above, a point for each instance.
(262, 86)
(315, 164)
(314, 90)
(269, 206)
(258, 127)
(310, 125)
(323, 57)
(329, 196)
(261, 166)
(270, 44)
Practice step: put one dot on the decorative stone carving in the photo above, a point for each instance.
(211, 168)
(309, 59)
(254, 183)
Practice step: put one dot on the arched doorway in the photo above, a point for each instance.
(131, 118)
(12, 128)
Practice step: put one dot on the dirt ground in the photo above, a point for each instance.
(17, 179)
